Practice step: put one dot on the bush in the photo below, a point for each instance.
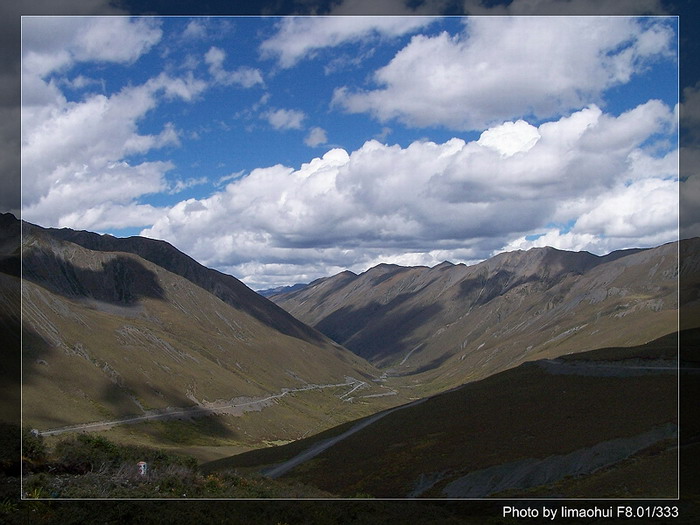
(86, 453)
(33, 446)
(89, 452)
(36, 486)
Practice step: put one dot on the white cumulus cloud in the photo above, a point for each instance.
(297, 38)
(510, 137)
(456, 200)
(72, 152)
(501, 68)
(316, 137)
(50, 44)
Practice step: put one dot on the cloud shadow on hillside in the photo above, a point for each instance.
(200, 425)
(121, 280)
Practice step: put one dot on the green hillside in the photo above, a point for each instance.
(588, 425)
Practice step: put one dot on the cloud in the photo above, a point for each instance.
(690, 109)
(244, 76)
(511, 7)
(383, 134)
(84, 196)
(510, 138)
(316, 137)
(502, 68)
(74, 171)
(52, 44)
(186, 87)
(195, 30)
(650, 205)
(10, 55)
(285, 118)
(298, 38)
(690, 191)
(82, 82)
(181, 185)
(456, 200)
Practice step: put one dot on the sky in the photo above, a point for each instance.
(283, 149)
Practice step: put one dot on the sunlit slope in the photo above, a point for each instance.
(110, 334)
(223, 286)
(550, 427)
(454, 323)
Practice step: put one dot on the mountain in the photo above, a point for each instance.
(225, 287)
(602, 423)
(132, 330)
(269, 292)
(446, 325)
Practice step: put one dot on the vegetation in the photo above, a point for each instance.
(55, 472)
(526, 412)
(91, 466)
(33, 446)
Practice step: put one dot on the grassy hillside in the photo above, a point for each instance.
(109, 336)
(443, 326)
(585, 426)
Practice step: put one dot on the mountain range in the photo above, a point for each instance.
(397, 382)
(444, 326)
(132, 330)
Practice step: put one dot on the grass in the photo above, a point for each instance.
(154, 355)
(255, 459)
(522, 413)
(91, 466)
(650, 473)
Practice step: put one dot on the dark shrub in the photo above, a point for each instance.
(86, 452)
(33, 446)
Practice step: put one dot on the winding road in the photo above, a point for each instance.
(320, 446)
(199, 410)
(552, 366)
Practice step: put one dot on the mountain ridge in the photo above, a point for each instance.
(496, 313)
(113, 338)
(224, 286)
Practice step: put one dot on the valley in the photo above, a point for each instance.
(524, 431)
(441, 327)
(530, 373)
(111, 337)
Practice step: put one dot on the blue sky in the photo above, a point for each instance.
(285, 149)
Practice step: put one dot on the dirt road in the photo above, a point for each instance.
(236, 407)
(320, 446)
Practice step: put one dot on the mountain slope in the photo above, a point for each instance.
(147, 332)
(454, 323)
(592, 424)
(225, 287)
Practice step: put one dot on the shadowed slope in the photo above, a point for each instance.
(454, 323)
(112, 337)
(225, 287)
(523, 429)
